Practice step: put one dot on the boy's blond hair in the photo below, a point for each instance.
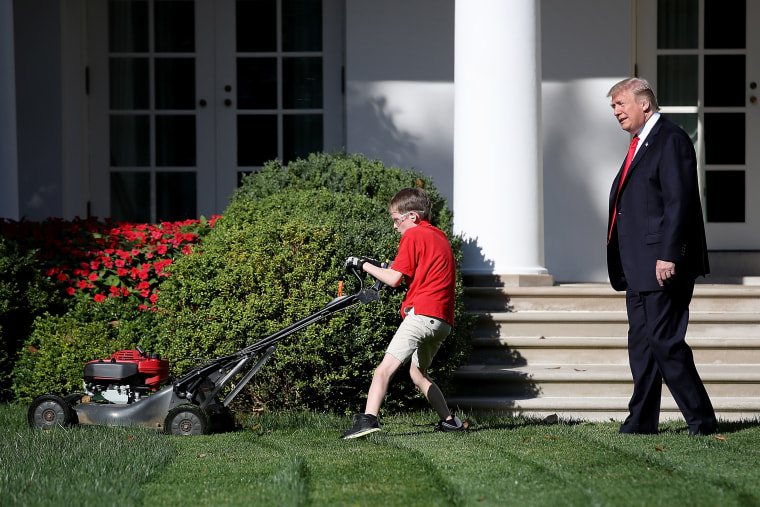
(411, 199)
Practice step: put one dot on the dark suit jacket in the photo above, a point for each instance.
(659, 213)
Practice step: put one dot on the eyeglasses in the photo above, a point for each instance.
(401, 218)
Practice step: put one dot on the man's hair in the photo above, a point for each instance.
(639, 87)
(411, 199)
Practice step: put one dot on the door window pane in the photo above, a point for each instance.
(302, 134)
(256, 25)
(175, 26)
(677, 24)
(724, 80)
(724, 138)
(129, 138)
(677, 80)
(127, 26)
(128, 83)
(175, 196)
(302, 25)
(725, 24)
(130, 196)
(257, 83)
(175, 83)
(725, 193)
(175, 140)
(256, 139)
(302, 83)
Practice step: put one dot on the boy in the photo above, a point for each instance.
(426, 263)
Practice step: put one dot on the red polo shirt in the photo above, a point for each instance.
(427, 263)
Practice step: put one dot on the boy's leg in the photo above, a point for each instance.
(367, 422)
(431, 391)
(380, 380)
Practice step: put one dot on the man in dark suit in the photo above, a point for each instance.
(655, 250)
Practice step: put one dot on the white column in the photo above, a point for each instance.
(8, 151)
(498, 204)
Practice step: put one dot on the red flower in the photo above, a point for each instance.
(70, 291)
(93, 277)
(99, 298)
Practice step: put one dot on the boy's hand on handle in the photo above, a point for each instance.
(372, 261)
(353, 263)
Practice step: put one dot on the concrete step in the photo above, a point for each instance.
(563, 349)
(521, 350)
(601, 297)
(606, 323)
(558, 380)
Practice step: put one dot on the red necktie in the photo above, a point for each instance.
(631, 152)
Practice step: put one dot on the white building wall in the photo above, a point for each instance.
(584, 53)
(400, 108)
(399, 86)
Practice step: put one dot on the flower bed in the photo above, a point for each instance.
(97, 259)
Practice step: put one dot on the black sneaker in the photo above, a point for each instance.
(451, 425)
(364, 424)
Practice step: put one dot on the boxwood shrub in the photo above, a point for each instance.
(25, 293)
(52, 358)
(275, 256)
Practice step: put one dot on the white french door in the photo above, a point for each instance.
(702, 58)
(187, 95)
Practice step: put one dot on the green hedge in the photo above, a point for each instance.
(25, 294)
(276, 256)
(52, 358)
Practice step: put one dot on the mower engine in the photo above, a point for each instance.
(126, 376)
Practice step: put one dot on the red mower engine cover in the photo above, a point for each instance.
(128, 367)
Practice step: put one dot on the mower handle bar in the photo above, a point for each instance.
(234, 363)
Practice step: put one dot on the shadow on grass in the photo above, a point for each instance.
(509, 423)
(724, 427)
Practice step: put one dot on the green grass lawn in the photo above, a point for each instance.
(297, 459)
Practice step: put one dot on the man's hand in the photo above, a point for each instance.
(665, 272)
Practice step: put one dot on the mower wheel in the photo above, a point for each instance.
(48, 411)
(186, 420)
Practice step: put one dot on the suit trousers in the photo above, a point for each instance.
(657, 351)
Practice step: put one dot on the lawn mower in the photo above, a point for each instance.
(132, 387)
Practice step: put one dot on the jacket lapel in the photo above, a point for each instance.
(651, 139)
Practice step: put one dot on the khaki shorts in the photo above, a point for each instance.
(418, 337)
